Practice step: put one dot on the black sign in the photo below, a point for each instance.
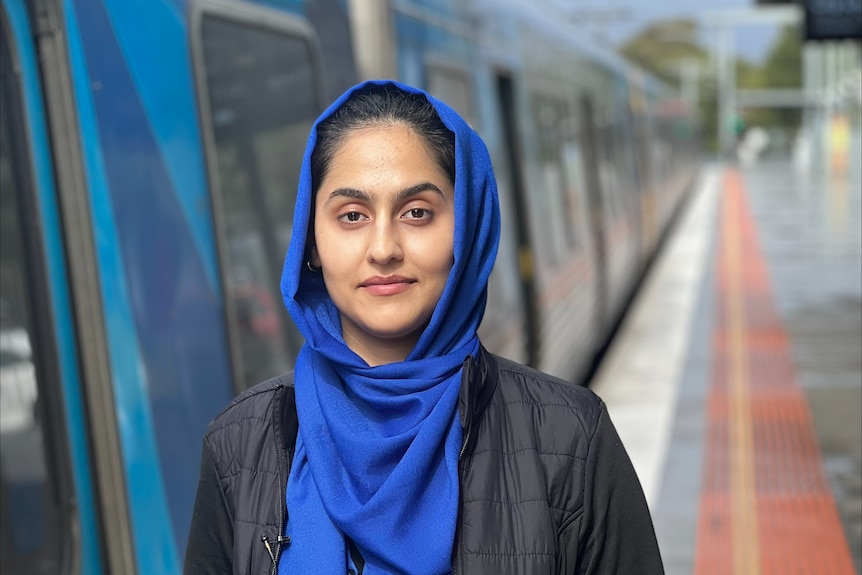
(833, 19)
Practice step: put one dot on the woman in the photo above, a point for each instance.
(400, 445)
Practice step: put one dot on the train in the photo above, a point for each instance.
(148, 161)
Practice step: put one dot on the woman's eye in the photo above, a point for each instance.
(417, 213)
(351, 217)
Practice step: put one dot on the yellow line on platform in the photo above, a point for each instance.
(744, 520)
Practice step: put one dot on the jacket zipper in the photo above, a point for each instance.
(280, 539)
(458, 520)
(464, 446)
(468, 366)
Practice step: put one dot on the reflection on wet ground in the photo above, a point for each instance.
(811, 235)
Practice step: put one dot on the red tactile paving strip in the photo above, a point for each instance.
(766, 506)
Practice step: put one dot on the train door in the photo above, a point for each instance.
(513, 174)
(565, 266)
(48, 517)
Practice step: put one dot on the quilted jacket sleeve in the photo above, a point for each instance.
(616, 530)
(210, 545)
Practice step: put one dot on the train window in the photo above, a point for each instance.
(575, 178)
(262, 96)
(452, 85)
(607, 170)
(31, 520)
(549, 116)
(625, 165)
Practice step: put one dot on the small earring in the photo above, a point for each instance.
(310, 267)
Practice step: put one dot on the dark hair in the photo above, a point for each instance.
(382, 105)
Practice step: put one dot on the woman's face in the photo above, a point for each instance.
(384, 232)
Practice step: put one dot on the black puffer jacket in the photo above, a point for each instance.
(546, 485)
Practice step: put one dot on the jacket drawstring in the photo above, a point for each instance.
(265, 540)
(282, 540)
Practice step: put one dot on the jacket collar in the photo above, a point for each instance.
(478, 384)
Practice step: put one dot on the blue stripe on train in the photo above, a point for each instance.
(152, 38)
(134, 420)
(165, 323)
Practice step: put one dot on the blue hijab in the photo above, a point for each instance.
(376, 457)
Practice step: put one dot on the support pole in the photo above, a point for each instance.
(726, 91)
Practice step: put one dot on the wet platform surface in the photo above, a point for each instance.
(736, 378)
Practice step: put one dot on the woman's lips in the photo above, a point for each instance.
(389, 285)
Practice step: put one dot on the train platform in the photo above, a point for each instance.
(735, 379)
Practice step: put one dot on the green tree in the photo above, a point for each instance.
(662, 49)
(783, 69)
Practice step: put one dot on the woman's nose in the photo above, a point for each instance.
(385, 244)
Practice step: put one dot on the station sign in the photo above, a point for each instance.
(833, 19)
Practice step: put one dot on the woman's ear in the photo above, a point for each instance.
(315, 257)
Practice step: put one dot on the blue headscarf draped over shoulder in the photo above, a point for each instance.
(376, 459)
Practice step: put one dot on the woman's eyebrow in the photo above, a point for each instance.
(417, 189)
(361, 195)
(348, 193)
